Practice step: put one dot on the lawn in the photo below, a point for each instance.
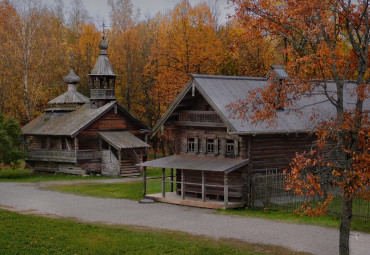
(20, 174)
(26, 234)
(324, 221)
(128, 190)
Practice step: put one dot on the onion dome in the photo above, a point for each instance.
(103, 45)
(72, 78)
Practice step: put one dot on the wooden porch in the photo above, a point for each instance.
(174, 198)
(67, 156)
(201, 181)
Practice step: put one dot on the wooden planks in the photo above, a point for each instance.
(212, 183)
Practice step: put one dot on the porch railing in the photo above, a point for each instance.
(52, 155)
(88, 154)
(200, 118)
(62, 155)
(102, 93)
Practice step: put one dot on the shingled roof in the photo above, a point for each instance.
(70, 97)
(71, 123)
(220, 91)
(122, 140)
(102, 66)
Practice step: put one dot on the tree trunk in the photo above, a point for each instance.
(345, 226)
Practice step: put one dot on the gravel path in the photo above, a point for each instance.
(313, 239)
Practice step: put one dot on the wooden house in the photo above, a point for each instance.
(216, 154)
(80, 135)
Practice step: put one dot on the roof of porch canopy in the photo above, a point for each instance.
(122, 140)
(191, 162)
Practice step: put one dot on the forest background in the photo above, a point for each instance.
(153, 56)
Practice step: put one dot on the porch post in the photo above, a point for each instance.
(245, 195)
(76, 148)
(119, 160)
(163, 182)
(141, 160)
(226, 191)
(182, 184)
(144, 181)
(203, 188)
(171, 179)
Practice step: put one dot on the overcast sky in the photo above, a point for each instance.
(99, 10)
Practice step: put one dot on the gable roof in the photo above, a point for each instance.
(220, 91)
(71, 123)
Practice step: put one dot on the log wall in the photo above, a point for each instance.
(88, 139)
(277, 151)
(219, 135)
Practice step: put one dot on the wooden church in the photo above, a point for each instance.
(80, 135)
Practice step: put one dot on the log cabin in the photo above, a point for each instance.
(215, 154)
(80, 135)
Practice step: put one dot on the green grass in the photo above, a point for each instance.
(323, 221)
(156, 172)
(128, 190)
(20, 174)
(26, 234)
(159, 155)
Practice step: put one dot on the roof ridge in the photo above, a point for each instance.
(215, 76)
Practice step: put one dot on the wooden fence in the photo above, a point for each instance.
(268, 191)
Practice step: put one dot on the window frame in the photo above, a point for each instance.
(230, 144)
(191, 145)
(210, 145)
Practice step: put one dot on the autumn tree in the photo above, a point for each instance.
(187, 43)
(85, 52)
(326, 40)
(246, 53)
(7, 12)
(77, 18)
(125, 46)
(34, 53)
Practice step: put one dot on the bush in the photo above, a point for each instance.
(10, 141)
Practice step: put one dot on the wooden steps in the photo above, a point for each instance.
(128, 168)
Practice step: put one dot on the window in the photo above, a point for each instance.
(210, 146)
(191, 144)
(230, 148)
(64, 144)
(43, 142)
